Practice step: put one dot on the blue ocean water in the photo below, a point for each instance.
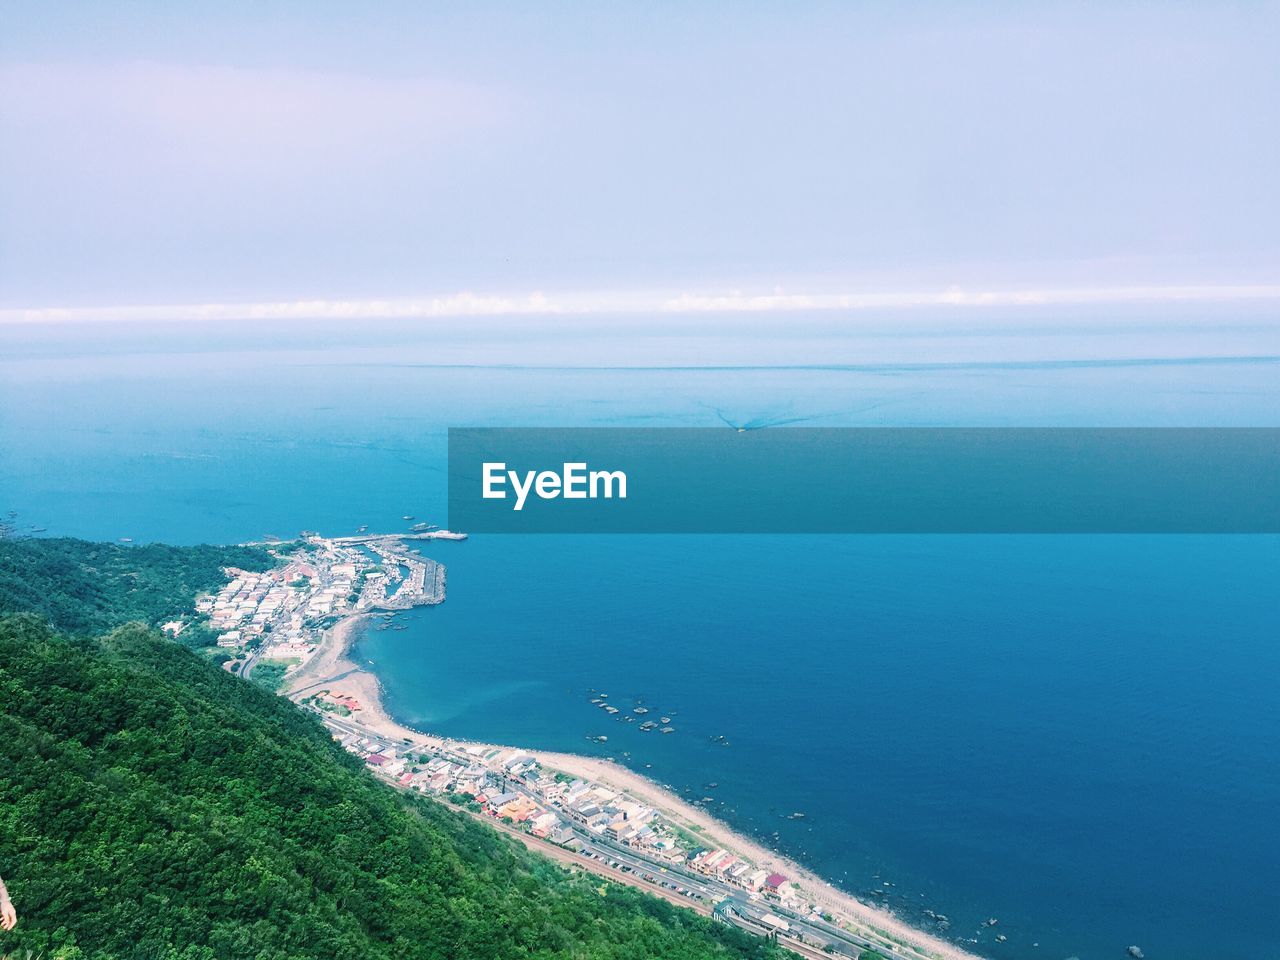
(1077, 735)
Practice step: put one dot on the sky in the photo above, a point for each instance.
(347, 159)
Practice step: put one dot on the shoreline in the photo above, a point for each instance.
(332, 666)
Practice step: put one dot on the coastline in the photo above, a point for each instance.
(332, 666)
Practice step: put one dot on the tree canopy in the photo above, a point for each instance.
(88, 588)
(152, 805)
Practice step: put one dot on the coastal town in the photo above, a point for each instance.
(276, 619)
(597, 827)
(289, 627)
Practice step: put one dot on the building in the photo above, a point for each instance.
(518, 810)
(565, 837)
(544, 824)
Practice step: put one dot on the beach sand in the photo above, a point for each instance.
(331, 668)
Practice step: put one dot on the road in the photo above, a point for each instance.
(635, 872)
(807, 935)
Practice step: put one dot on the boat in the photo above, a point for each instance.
(407, 516)
(126, 539)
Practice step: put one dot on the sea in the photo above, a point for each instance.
(1076, 736)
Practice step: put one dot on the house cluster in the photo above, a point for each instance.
(334, 701)
(335, 595)
(284, 610)
(483, 775)
(282, 607)
(730, 868)
(385, 759)
(511, 785)
(242, 609)
(489, 776)
(611, 814)
(617, 817)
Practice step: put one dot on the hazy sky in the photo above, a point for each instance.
(188, 153)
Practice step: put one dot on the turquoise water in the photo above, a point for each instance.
(1077, 735)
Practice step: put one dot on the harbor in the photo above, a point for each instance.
(276, 619)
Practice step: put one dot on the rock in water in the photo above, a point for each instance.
(1136, 953)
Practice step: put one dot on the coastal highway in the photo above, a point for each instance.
(622, 864)
(633, 871)
(250, 662)
(808, 935)
(738, 907)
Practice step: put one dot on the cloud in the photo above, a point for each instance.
(463, 304)
(537, 303)
(739, 302)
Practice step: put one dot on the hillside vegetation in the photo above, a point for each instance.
(88, 588)
(153, 806)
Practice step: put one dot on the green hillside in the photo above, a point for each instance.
(88, 588)
(153, 806)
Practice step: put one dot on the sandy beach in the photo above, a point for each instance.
(332, 668)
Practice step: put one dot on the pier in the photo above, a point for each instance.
(379, 537)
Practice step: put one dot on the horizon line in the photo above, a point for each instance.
(567, 304)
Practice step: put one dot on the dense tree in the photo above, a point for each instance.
(88, 588)
(151, 805)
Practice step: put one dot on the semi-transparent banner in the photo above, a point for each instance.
(865, 480)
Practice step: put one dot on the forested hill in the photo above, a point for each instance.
(154, 806)
(88, 588)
